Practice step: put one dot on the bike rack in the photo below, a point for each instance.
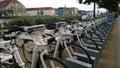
(72, 63)
(94, 54)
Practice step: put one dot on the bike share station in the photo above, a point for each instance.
(84, 42)
(94, 54)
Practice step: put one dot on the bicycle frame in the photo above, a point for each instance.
(61, 38)
(41, 44)
(11, 49)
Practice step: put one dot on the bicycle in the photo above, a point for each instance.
(40, 56)
(10, 56)
(28, 44)
(63, 38)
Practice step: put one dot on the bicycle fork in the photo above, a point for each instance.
(64, 44)
(34, 57)
(17, 57)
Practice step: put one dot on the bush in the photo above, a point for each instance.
(22, 21)
(28, 21)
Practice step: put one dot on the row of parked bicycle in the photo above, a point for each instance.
(64, 44)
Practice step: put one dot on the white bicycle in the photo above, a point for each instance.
(40, 56)
(9, 55)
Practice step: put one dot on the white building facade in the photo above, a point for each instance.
(71, 11)
(44, 11)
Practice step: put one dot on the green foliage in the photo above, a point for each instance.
(0, 26)
(5, 25)
(46, 19)
(22, 21)
(88, 1)
(28, 21)
(111, 5)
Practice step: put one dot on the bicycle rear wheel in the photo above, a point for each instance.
(57, 63)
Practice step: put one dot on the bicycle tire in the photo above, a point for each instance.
(99, 37)
(27, 50)
(101, 32)
(106, 25)
(104, 29)
(93, 42)
(18, 42)
(49, 58)
(77, 49)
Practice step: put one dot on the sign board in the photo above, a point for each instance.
(61, 11)
(110, 17)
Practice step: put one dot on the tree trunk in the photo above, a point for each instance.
(94, 13)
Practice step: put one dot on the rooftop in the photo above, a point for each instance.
(7, 2)
(40, 8)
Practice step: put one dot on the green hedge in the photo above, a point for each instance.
(28, 21)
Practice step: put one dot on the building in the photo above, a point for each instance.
(42, 11)
(71, 11)
(85, 14)
(15, 8)
(82, 12)
(63, 11)
(12, 8)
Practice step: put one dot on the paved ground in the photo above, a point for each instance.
(111, 55)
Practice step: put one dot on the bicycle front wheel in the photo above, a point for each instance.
(18, 42)
(51, 62)
(27, 49)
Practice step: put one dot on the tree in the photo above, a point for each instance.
(111, 5)
(88, 1)
(41, 12)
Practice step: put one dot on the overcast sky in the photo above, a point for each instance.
(56, 4)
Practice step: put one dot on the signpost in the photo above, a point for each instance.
(61, 11)
(110, 18)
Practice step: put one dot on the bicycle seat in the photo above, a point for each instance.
(50, 26)
(25, 36)
(39, 38)
(62, 23)
(9, 37)
(35, 27)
